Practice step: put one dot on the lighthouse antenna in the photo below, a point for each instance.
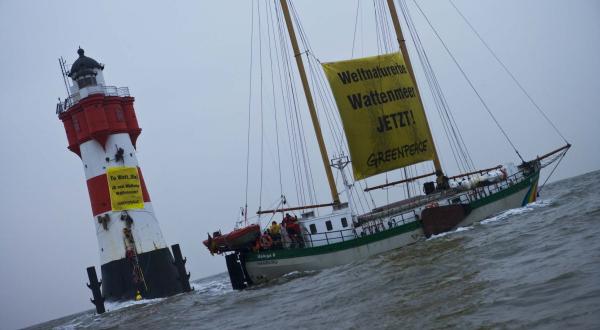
(63, 71)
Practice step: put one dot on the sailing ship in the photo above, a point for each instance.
(386, 130)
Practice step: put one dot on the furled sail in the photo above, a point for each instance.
(382, 115)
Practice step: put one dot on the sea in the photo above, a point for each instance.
(534, 267)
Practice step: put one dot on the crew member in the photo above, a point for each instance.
(293, 229)
(275, 232)
(275, 229)
(442, 181)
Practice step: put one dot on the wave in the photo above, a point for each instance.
(214, 287)
(115, 306)
(512, 212)
(457, 230)
(502, 216)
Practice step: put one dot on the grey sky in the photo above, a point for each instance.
(186, 63)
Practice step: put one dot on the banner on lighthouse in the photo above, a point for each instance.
(125, 188)
(382, 115)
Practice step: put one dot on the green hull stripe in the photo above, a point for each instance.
(317, 250)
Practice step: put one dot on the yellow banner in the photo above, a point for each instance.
(383, 119)
(125, 188)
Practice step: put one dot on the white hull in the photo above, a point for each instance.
(268, 269)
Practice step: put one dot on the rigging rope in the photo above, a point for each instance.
(457, 144)
(318, 84)
(314, 74)
(249, 110)
(272, 34)
(307, 47)
(512, 76)
(301, 144)
(262, 130)
(552, 172)
(355, 26)
(387, 34)
(489, 111)
(331, 114)
(390, 44)
(378, 34)
(428, 73)
(289, 95)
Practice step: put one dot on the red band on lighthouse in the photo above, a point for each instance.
(97, 117)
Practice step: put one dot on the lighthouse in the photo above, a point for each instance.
(102, 129)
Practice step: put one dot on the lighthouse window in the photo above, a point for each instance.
(313, 228)
(328, 225)
(76, 125)
(87, 81)
(344, 222)
(120, 116)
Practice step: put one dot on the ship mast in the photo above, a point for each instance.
(310, 102)
(394, 14)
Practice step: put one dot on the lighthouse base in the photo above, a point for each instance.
(159, 272)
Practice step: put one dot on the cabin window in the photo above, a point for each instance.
(344, 222)
(328, 225)
(313, 228)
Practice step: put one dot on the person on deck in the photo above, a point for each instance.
(442, 183)
(287, 223)
(293, 230)
(275, 231)
(287, 220)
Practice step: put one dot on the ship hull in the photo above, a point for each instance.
(264, 266)
(502, 201)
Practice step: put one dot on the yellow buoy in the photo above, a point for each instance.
(138, 296)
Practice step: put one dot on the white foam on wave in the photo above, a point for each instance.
(292, 273)
(457, 230)
(509, 213)
(74, 324)
(502, 216)
(214, 288)
(67, 327)
(110, 307)
(115, 306)
(297, 273)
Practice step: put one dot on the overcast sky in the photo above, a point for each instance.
(186, 63)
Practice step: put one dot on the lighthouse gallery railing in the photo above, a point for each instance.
(76, 97)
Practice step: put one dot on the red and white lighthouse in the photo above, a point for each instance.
(102, 129)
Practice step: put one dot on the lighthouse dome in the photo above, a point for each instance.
(84, 66)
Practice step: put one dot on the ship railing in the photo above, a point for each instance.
(487, 190)
(365, 229)
(90, 90)
(330, 237)
(397, 219)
